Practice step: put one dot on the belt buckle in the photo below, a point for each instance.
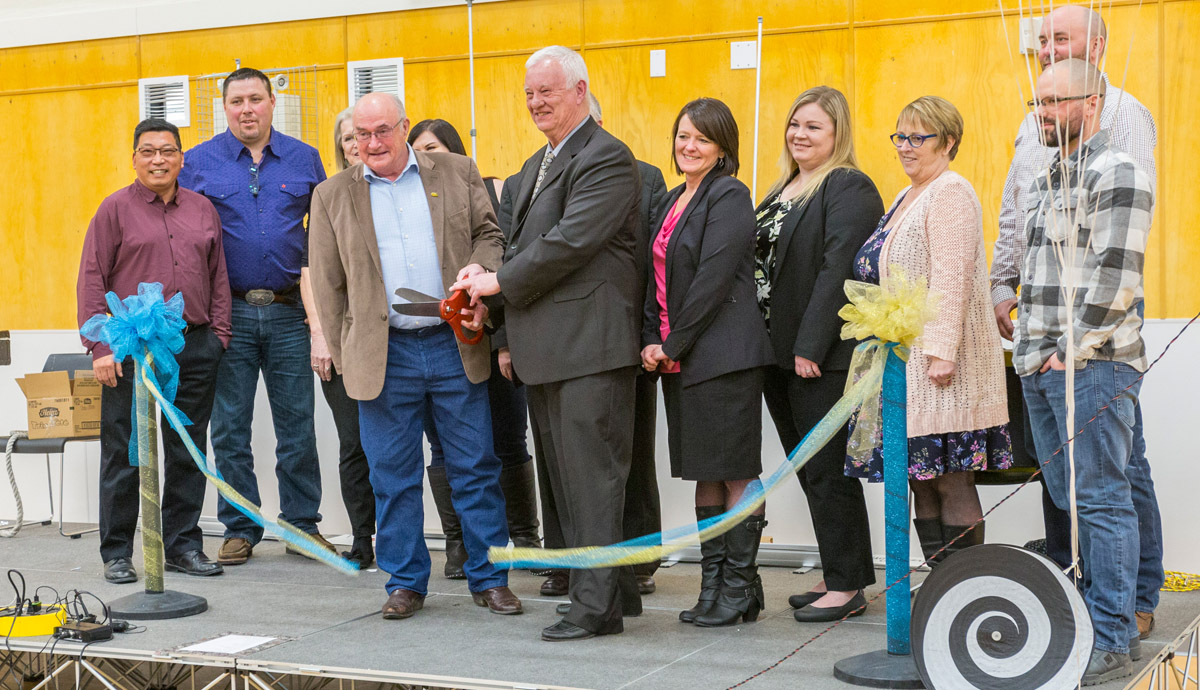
(260, 298)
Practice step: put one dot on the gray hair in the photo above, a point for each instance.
(338, 154)
(571, 62)
(391, 98)
(1082, 77)
(594, 107)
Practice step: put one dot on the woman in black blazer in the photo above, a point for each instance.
(703, 333)
(810, 227)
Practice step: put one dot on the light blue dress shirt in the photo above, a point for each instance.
(404, 231)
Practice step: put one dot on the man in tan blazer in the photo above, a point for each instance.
(419, 221)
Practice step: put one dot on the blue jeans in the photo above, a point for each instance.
(1104, 461)
(510, 420)
(273, 340)
(425, 373)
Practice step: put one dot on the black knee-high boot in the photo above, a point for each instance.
(972, 538)
(456, 553)
(741, 589)
(929, 532)
(712, 556)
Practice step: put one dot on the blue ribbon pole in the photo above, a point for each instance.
(895, 485)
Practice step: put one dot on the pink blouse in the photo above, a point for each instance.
(660, 277)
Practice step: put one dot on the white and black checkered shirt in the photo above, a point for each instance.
(1103, 198)
(1132, 129)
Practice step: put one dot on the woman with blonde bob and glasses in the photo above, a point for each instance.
(957, 406)
(811, 223)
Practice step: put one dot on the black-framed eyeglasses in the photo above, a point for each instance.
(1055, 100)
(149, 153)
(254, 179)
(914, 140)
(383, 133)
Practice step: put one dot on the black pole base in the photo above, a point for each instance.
(879, 670)
(157, 606)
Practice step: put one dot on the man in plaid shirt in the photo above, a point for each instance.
(1073, 31)
(1090, 208)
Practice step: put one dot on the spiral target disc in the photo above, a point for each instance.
(998, 616)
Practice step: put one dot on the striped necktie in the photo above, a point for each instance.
(546, 160)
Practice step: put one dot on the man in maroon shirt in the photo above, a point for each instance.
(155, 231)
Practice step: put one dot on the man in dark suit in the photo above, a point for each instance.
(569, 284)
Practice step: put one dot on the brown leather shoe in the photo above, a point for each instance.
(556, 584)
(235, 551)
(320, 540)
(1145, 623)
(402, 603)
(499, 600)
(646, 584)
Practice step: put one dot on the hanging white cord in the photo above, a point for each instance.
(12, 481)
(471, 68)
(757, 93)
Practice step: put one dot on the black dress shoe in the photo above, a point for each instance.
(799, 601)
(563, 609)
(563, 631)
(361, 553)
(119, 571)
(812, 614)
(194, 562)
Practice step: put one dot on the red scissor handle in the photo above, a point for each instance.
(452, 313)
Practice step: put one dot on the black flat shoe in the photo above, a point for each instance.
(119, 571)
(799, 601)
(563, 609)
(194, 563)
(563, 631)
(812, 614)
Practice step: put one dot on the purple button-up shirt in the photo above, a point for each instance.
(265, 238)
(136, 238)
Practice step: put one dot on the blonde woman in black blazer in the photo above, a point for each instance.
(810, 226)
(703, 333)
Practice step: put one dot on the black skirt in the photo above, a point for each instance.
(714, 428)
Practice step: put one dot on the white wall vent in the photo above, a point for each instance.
(365, 76)
(165, 98)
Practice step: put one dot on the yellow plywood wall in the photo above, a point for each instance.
(70, 108)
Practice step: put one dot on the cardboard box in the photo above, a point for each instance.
(60, 406)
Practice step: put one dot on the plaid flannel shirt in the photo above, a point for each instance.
(1132, 129)
(1100, 195)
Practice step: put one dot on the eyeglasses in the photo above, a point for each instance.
(383, 134)
(254, 179)
(914, 140)
(1055, 100)
(148, 153)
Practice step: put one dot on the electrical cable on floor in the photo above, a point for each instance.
(1186, 581)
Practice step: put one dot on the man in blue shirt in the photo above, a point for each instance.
(261, 183)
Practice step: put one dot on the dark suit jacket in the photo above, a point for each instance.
(569, 278)
(654, 188)
(495, 303)
(347, 278)
(716, 327)
(814, 257)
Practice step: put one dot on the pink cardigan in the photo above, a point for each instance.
(941, 239)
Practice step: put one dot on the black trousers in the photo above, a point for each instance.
(643, 510)
(183, 484)
(353, 472)
(585, 430)
(839, 511)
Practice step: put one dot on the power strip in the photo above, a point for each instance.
(84, 632)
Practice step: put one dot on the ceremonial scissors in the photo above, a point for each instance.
(450, 310)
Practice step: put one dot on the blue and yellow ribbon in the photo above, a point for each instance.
(898, 312)
(150, 330)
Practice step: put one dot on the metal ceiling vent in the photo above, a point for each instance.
(165, 98)
(365, 76)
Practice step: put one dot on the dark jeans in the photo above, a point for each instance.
(272, 340)
(839, 511)
(353, 472)
(510, 413)
(183, 484)
(425, 373)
